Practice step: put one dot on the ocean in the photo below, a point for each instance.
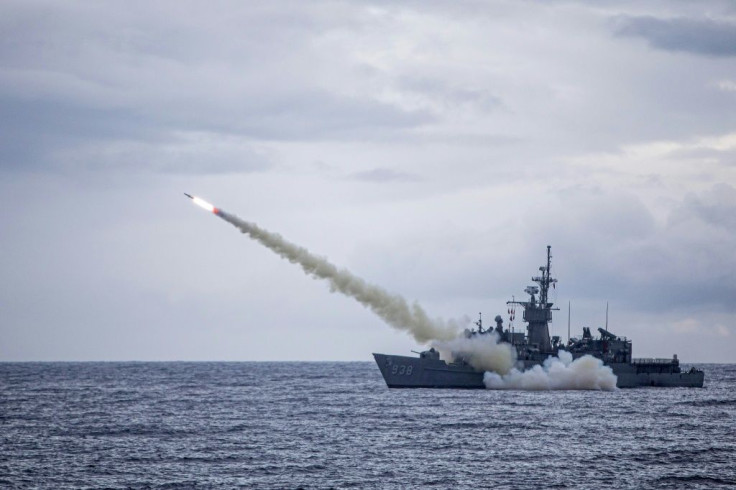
(336, 425)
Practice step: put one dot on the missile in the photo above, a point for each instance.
(203, 204)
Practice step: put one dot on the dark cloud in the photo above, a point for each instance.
(31, 129)
(61, 136)
(698, 36)
(717, 209)
(607, 245)
(72, 90)
(33, 133)
(319, 115)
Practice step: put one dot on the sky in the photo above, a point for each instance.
(433, 148)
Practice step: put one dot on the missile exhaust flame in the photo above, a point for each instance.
(202, 203)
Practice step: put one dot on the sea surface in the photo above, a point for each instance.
(336, 425)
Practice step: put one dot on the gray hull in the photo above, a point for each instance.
(628, 377)
(415, 372)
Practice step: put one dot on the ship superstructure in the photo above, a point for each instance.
(538, 312)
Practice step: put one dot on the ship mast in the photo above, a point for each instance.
(545, 280)
(568, 322)
(538, 312)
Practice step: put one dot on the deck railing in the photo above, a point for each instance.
(651, 360)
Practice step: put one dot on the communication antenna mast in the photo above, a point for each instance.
(568, 322)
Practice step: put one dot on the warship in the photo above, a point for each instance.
(533, 348)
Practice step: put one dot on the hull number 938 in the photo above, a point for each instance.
(401, 370)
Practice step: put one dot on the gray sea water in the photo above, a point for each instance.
(336, 425)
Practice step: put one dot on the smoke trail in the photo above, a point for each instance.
(392, 308)
(557, 373)
(483, 352)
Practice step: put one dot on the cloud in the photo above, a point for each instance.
(29, 129)
(620, 251)
(384, 175)
(717, 208)
(457, 139)
(726, 85)
(698, 36)
(72, 88)
(443, 97)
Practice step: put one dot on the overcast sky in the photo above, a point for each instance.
(433, 148)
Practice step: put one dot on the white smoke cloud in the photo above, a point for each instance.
(483, 352)
(556, 373)
(392, 308)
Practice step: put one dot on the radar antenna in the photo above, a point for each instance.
(545, 280)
